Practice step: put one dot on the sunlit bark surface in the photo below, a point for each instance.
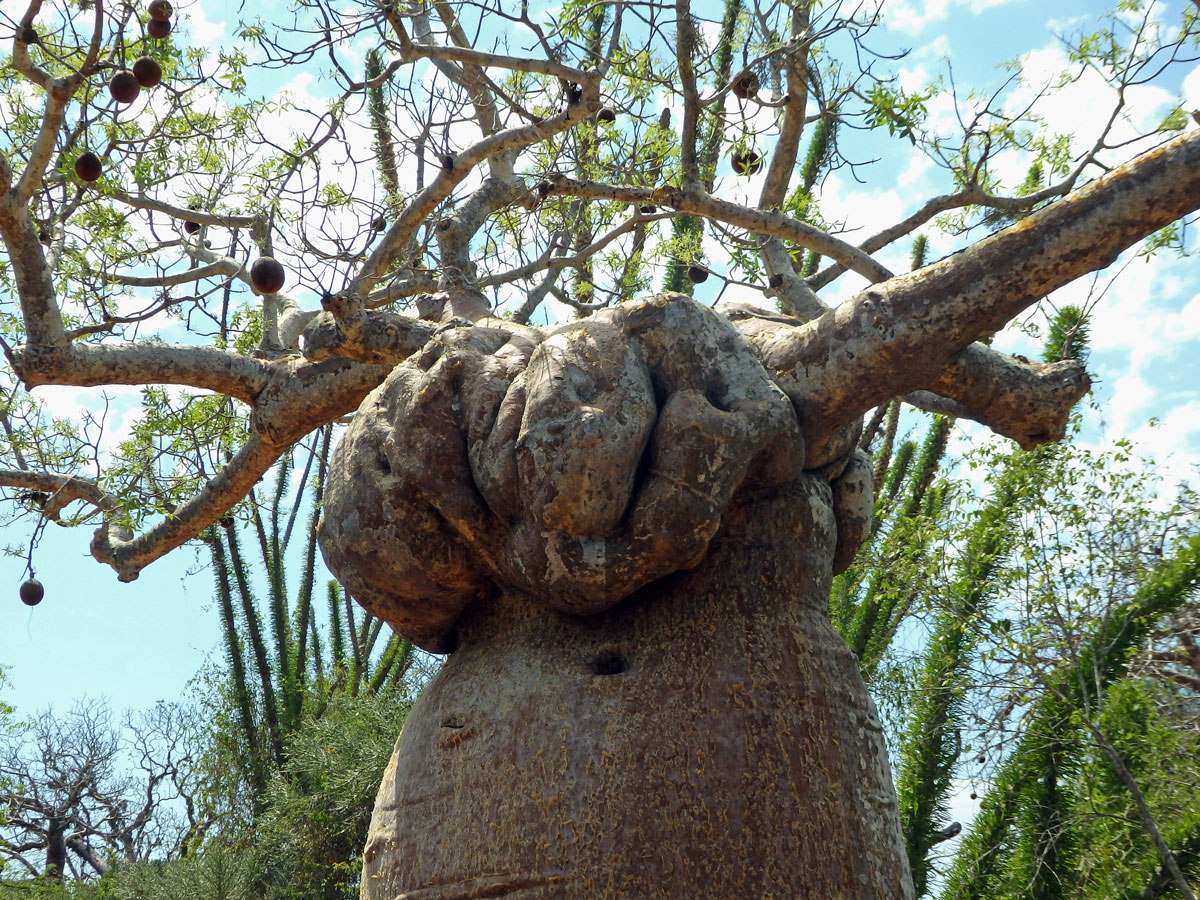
(708, 737)
(614, 530)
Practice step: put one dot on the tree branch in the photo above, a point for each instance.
(128, 555)
(199, 216)
(1023, 400)
(60, 490)
(695, 202)
(901, 335)
(685, 47)
(412, 51)
(94, 365)
(1148, 823)
(421, 206)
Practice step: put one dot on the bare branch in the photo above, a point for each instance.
(1023, 400)
(112, 543)
(93, 365)
(59, 490)
(199, 216)
(227, 267)
(685, 48)
(421, 206)
(412, 52)
(768, 222)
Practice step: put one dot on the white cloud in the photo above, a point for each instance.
(117, 407)
(912, 17)
(204, 31)
(1191, 89)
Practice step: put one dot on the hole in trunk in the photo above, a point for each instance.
(609, 662)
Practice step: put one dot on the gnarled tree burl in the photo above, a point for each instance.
(621, 528)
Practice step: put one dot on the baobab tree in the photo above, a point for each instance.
(622, 524)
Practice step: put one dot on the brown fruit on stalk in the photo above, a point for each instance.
(379, 224)
(88, 167)
(266, 275)
(147, 71)
(745, 162)
(745, 85)
(29, 35)
(160, 10)
(32, 592)
(124, 87)
(607, 114)
(158, 28)
(191, 227)
(697, 274)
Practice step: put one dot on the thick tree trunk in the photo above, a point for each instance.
(709, 737)
(56, 850)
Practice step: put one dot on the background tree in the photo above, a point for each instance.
(81, 794)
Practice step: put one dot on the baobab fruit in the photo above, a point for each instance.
(32, 592)
(158, 28)
(745, 162)
(379, 224)
(87, 167)
(147, 71)
(124, 87)
(745, 85)
(697, 274)
(266, 275)
(160, 10)
(607, 114)
(189, 226)
(29, 35)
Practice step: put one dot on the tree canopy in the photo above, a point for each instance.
(476, 160)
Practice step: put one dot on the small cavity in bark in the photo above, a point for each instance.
(609, 662)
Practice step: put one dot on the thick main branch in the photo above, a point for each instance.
(900, 335)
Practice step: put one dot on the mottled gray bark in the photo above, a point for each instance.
(613, 528)
(709, 737)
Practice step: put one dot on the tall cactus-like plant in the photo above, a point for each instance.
(280, 672)
(687, 231)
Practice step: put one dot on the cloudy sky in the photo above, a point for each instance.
(141, 642)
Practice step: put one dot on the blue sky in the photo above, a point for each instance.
(140, 642)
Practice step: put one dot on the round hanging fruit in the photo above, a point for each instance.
(147, 71)
(32, 592)
(158, 28)
(88, 167)
(266, 275)
(745, 162)
(124, 87)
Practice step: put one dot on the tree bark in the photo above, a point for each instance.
(709, 737)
